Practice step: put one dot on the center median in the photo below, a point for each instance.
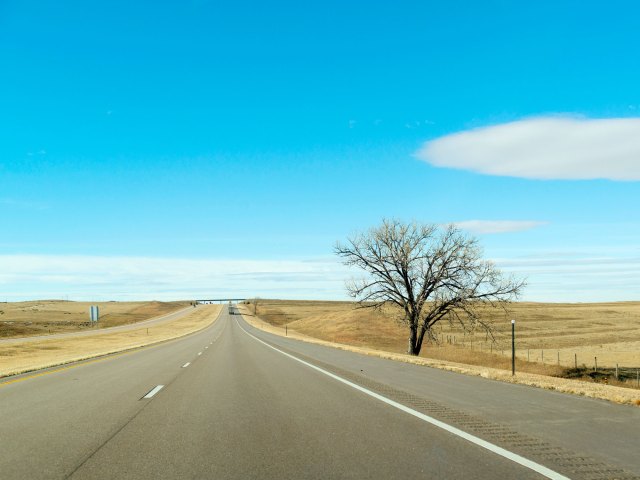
(35, 355)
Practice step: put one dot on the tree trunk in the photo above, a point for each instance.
(413, 339)
(419, 340)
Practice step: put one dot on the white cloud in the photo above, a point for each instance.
(577, 278)
(568, 276)
(544, 148)
(121, 278)
(498, 226)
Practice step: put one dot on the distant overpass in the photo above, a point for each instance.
(220, 300)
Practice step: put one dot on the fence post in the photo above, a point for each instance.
(575, 357)
(617, 378)
(595, 364)
(513, 347)
(542, 355)
(558, 357)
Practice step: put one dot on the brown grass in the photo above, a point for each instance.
(28, 356)
(608, 331)
(549, 332)
(23, 319)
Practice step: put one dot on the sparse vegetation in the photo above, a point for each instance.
(608, 331)
(23, 319)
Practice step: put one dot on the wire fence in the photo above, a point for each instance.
(575, 362)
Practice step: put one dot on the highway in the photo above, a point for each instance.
(234, 402)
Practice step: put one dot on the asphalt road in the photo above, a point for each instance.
(240, 403)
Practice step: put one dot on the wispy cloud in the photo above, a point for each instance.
(99, 277)
(544, 148)
(553, 277)
(24, 204)
(418, 124)
(577, 278)
(498, 226)
(39, 152)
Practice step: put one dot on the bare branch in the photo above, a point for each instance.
(431, 273)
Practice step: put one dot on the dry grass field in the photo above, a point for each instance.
(23, 319)
(549, 336)
(28, 356)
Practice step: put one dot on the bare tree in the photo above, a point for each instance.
(431, 273)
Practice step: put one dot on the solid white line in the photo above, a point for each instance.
(155, 390)
(186, 365)
(514, 457)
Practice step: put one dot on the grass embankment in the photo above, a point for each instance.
(28, 356)
(43, 317)
(610, 332)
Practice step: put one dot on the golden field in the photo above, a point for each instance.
(23, 319)
(548, 336)
(32, 355)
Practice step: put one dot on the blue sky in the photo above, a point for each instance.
(179, 149)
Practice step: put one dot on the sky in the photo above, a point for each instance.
(174, 150)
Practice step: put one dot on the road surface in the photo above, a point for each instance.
(234, 402)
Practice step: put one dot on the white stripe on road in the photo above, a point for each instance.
(155, 390)
(186, 365)
(514, 457)
(199, 353)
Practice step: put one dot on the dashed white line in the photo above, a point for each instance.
(514, 457)
(186, 365)
(153, 391)
(199, 353)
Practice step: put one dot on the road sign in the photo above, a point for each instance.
(94, 313)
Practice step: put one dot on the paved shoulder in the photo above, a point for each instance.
(583, 437)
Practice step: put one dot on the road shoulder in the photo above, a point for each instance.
(624, 396)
